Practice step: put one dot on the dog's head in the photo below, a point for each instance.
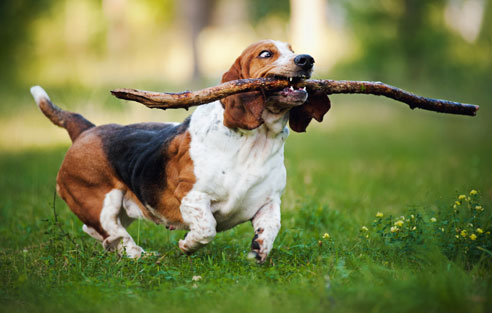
(268, 58)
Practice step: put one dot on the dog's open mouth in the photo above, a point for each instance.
(292, 79)
(290, 95)
(292, 92)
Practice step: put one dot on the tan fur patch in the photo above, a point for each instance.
(84, 179)
(180, 178)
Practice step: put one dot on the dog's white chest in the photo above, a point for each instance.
(239, 171)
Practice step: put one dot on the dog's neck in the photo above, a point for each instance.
(254, 146)
(275, 122)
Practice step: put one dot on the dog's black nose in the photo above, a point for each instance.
(304, 61)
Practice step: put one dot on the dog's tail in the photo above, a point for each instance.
(74, 123)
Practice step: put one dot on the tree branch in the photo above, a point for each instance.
(192, 98)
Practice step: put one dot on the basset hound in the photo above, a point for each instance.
(222, 166)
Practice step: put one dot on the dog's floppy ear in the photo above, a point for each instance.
(242, 110)
(316, 105)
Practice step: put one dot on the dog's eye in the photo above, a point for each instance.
(265, 54)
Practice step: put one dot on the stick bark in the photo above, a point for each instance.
(193, 98)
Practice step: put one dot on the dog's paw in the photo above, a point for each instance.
(111, 243)
(134, 252)
(148, 254)
(184, 247)
(257, 250)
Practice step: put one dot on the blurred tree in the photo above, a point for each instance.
(197, 15)
(15, 23)
(117, 33)
(262, 8)
(411, 41)
(307, 26)
(409, 37)
(485, 35)
(404, 35)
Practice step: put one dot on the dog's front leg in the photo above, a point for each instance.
(266, 224)
(196, 212)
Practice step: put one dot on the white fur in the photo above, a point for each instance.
(132, 209)
(109, 218)
(39, 94)
(238, 172)
(92, 232)
(286, 55)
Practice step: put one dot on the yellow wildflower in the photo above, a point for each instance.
(364, 228)
(367, 236)
(326, 236)
(457, 203)
(433, 219)
(473, 236)
(412, 216)
(394, 229)
(379, 214)
(479, 230)
(454, 207)
(414, 228)
(399, 223)
(463, 233)
(457, 236)
(473, 192)
(442, 229)
(461, 197)
(479, 208)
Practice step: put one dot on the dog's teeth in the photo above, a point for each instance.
(291, 88)
(290, 79)
(304, 88)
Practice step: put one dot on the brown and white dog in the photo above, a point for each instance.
(222, 166)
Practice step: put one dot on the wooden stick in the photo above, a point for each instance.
(186, 99)
(192, 98)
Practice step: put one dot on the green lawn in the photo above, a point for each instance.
(366, 158)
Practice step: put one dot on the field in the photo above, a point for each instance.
(385, 210)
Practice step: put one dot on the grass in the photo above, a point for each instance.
(364, 159)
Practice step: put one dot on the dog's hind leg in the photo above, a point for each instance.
(118, 238)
